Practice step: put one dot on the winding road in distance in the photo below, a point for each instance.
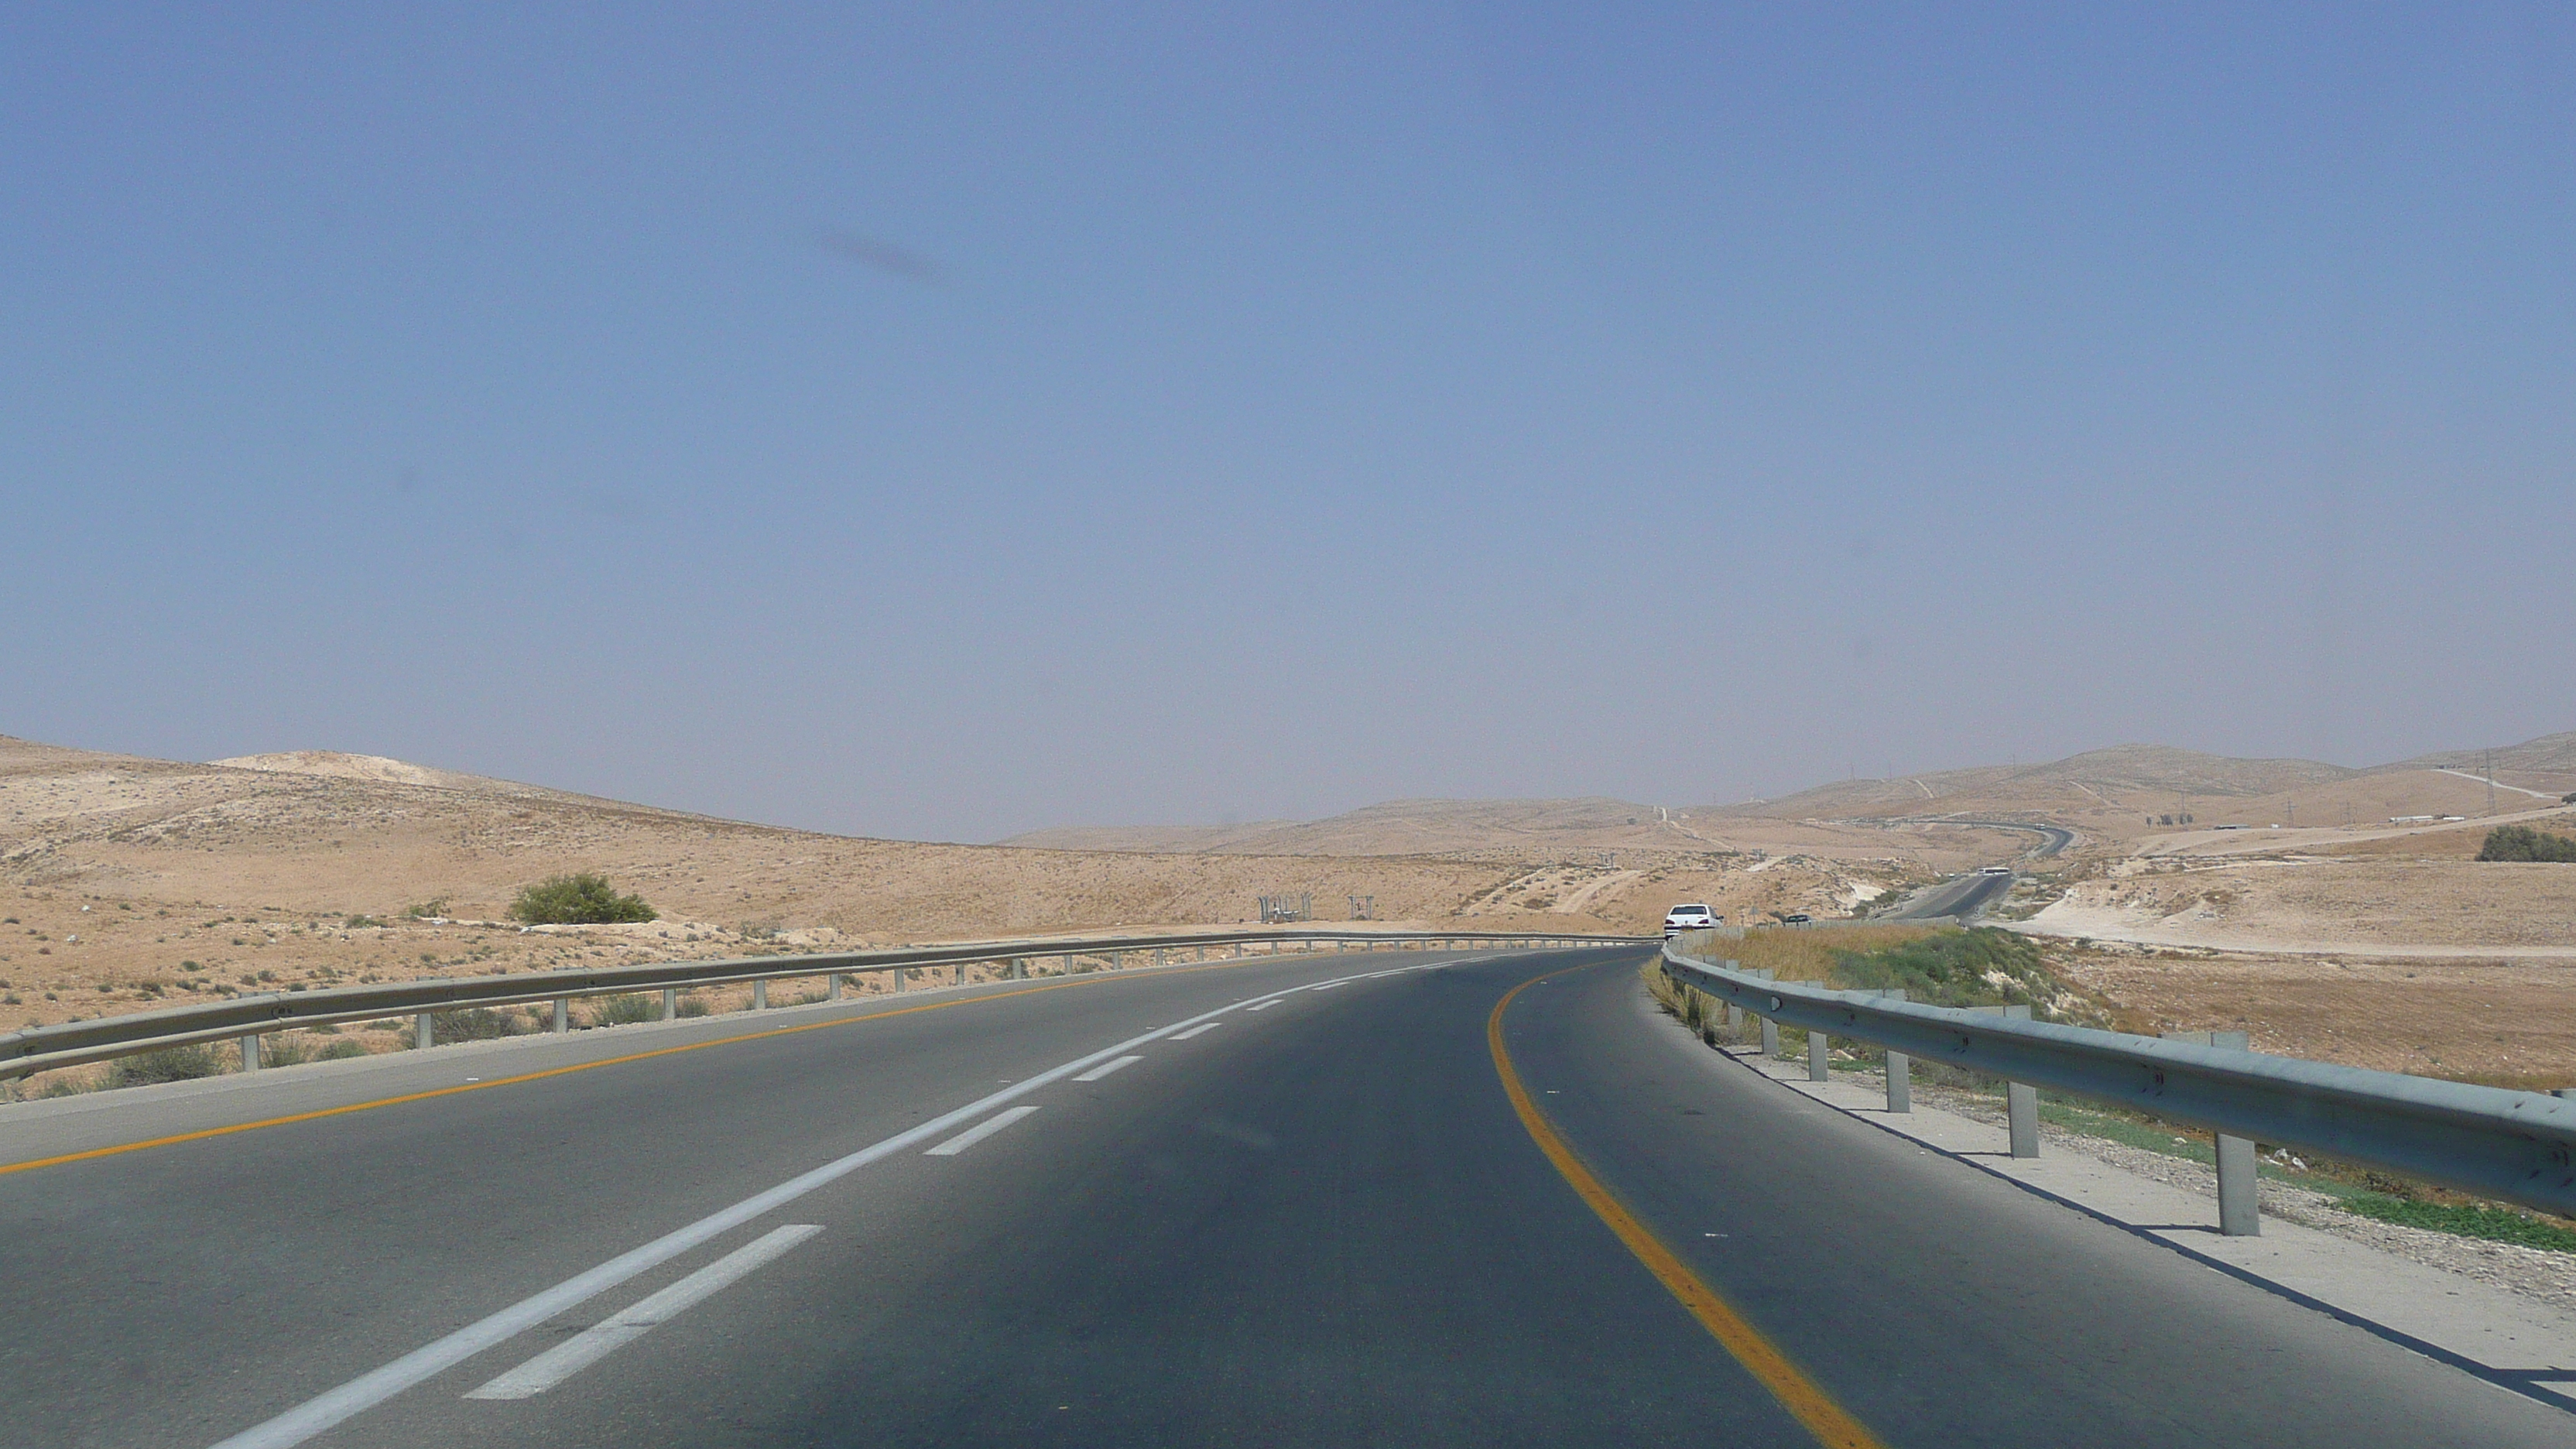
(1473, 1199)
(1969, 894)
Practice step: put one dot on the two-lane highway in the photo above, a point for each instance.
(1278, 1202)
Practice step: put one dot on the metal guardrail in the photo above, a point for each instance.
(247, 1017)
(2513, 1146)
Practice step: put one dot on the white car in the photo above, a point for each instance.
(1994, 870)
(1690, 918)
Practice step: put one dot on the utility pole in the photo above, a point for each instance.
(2490, 782)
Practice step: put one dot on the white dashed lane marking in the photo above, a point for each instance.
(604, 1338)
(979, 1131)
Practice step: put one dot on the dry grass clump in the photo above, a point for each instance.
(1793, 954)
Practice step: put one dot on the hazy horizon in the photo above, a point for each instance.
(947, 424)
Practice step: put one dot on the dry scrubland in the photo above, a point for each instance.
(128, 883)
(2340, 935)
(137, 882)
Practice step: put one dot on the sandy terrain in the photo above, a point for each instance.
(2127, 798)
(2505, 1022)
(1554, 829)
(127, 883)
(130, 882)
(2429, 908)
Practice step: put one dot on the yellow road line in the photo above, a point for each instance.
(1827, 1420)
(315, 1116)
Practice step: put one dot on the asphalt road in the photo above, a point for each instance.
(1319, 1220)
(1963, 898)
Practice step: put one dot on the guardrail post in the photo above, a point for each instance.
(961, 974)
(900, 973)
(670, 1003)
(760, 995)
(250, 1052)
(833, 980)
(1818, 1048)
(423, 1035)
(2021, 1108)
(1900, 1068)
(1019, 968)
(2021, 1100)
(563, 1015)
(1770, 1038)
(2240, 1211)
(1734, 1022)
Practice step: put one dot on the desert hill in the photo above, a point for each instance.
(332, 764)
(2079, 783)
(128, 882)
(2550, 756)
(1399, 827)
(2115, 798)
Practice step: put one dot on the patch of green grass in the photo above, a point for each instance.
(2151, 1136)
(2495, 1224)
(1982, 966)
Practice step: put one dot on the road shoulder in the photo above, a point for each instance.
(2494, 1334)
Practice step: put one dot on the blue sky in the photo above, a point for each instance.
(946, 421)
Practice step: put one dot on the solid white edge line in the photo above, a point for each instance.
(438, 1356)
(620, 1329)
(980, 1131)
(1105, 1068)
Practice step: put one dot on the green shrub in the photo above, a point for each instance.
(578, 900)
(170, 1064)
(625, 1010)
(1979, 967)
(2521, 842)
(338, 1050)
(478, 1023)
(427, 909)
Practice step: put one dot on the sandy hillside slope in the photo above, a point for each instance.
(128, 882)
(2547, 763)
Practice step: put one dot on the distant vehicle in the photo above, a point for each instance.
(1797, 918)
(1690, 918)
(1994, 870)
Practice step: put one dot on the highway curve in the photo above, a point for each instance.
(1961, 898)
(1323, 1219)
